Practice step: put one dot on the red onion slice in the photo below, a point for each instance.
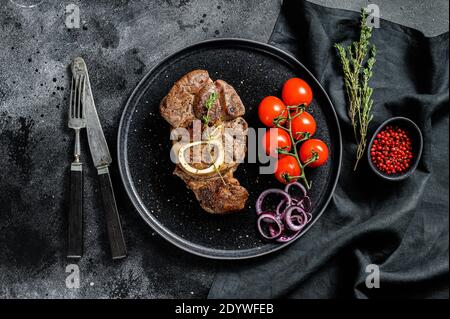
(281, 207)
(302, 188)
(301, 218)
(272, 220)
(285, 237)
(305, 203)
(263, 195)
(291, 214)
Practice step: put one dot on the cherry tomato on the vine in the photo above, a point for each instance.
(296, 91)
(309, 147)
(279, 138)
(285, 166)
(269, 108)
(303, 123)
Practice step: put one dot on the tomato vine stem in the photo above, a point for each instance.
(305, 136)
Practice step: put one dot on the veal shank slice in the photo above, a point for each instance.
(220, 192)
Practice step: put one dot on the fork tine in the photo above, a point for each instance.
(75, 98)
(83, 96)
(77, 95)
(72, 87)
(79, 92)
(80, 79)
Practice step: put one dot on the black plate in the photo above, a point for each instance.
(255, 70)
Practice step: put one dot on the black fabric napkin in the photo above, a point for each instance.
(401, 227)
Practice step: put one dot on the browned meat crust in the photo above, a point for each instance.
(227, 107)
(176, 107)
(214, 196)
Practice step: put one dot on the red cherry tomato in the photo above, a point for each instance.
(303, 123)
(309, 147)
(296, 91)
(280, 139)
(269, 108)
(287, 165)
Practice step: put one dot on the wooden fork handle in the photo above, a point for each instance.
(75, 220)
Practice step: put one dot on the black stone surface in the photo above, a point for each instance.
(120, 41)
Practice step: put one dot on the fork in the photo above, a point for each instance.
(77, 121)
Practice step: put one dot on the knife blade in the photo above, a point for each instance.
(101, 159)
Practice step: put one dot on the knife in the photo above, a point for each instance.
(102, 159)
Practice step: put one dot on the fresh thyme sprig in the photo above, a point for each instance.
(357, 73)
(206, 119)
(365, 116)
(208, 105)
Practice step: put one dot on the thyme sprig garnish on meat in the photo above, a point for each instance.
(357, 62)
(206, 119)
(296, 110)
(208, 105)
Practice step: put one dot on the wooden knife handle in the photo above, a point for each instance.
(75, 220)
(114, 228)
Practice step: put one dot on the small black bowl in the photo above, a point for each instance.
(417, 144)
